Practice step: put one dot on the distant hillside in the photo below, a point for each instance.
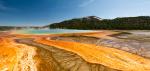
(93, 22)
(3, 28)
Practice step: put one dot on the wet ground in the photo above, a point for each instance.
(42, 57)
(137, 42)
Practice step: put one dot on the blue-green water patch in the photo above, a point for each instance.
(50, 31)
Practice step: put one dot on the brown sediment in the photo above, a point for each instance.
(35, 58)
(62, 60)
(109, 57)
(20, 57)
(102, 34)
(38, 55)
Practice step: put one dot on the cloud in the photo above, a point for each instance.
(3, 7)
(86, 3)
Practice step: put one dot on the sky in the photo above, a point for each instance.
(44, 12)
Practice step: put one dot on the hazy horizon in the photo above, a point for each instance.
(44, 12)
